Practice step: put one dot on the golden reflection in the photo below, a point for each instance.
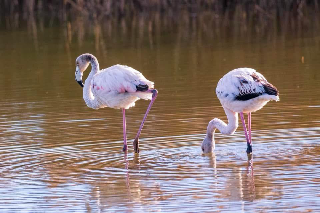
(33, 31)
(247, 186)
(212, 161)
(200, 27)
(250, 174)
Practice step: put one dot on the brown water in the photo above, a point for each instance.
(58, 155)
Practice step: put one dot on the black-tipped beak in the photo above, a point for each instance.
(81, 83)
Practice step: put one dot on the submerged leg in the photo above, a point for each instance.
(136, 140)
(250, 174)
(249, 147)
(125, 146)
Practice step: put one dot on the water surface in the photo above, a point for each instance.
(59, 155)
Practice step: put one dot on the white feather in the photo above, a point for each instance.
(116, 87)
(230, 86)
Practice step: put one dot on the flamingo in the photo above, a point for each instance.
(242, 90)
(116, 87)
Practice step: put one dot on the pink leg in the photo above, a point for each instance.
(125, 146)
(249, 147)
(136, 140)
(249, 127)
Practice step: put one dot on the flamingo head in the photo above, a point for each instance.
(208, 145)
(82, 63)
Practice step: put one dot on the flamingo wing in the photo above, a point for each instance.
(253, 85)
(120, 79)
(120, 87)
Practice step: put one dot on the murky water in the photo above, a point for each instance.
(58, 155)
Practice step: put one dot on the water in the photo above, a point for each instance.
(58, 155)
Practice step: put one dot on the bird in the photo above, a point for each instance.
(240, 91)
(117, 87)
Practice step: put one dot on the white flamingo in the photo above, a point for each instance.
(117, 87)
(242, 90)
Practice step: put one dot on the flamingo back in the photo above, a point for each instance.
(120, 86)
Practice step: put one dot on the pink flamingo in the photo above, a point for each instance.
(117, 87)
(242, 90)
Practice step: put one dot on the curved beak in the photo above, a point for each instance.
(80, 83)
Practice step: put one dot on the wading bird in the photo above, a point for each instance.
(117, 87)
(242, 90)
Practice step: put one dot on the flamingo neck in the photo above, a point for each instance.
(88, 96)
(94, 64)
(226, 129)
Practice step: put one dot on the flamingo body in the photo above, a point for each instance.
(242, 90)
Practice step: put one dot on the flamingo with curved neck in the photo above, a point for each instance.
(117, 87)
(242, 90)
(228, 129)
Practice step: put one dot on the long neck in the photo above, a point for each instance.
(94, 64)
(88, 97)
(224, 128)
(208, 143)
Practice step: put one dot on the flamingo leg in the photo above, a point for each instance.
(249, 146)
(136, 140)
(125, 146)
(249, 127)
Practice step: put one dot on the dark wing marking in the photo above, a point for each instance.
(248, 96)
(256, 77)
(270, 89)
(142, 87)
(243, 81)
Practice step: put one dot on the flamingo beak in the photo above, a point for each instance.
(79, 76)
(80, 83)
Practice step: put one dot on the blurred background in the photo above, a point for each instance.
(137, 19)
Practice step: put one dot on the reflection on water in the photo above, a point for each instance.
(92, 175)
(58, 155)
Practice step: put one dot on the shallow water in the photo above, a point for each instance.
(58, 155)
